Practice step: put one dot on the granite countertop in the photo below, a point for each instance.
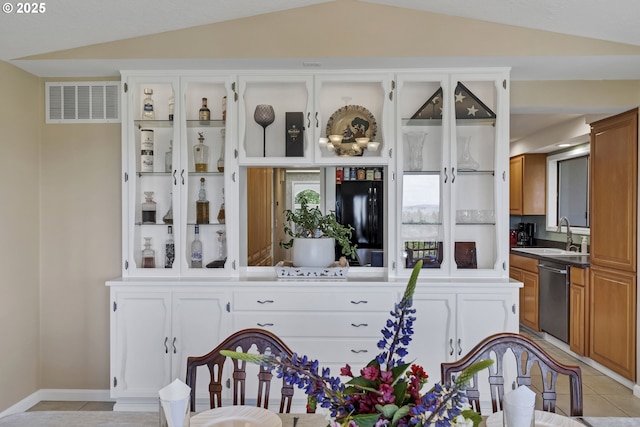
(578, 260)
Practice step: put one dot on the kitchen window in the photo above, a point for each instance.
(568, 189)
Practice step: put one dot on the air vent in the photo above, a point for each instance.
(82, 102)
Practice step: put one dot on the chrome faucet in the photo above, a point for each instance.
(569, 235)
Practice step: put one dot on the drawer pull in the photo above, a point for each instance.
(262, 325)
(359, 351)
(359, 325)
(265, 301)
(359, 302)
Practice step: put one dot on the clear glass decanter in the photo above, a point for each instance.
(148, 254)
(201, 154)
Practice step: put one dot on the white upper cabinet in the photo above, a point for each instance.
(452, 134)
(163, 187)
(438, 136)
(272, 110)
(358, 109)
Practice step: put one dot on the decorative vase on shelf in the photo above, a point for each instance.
(415, 142)
(465, 160)
(264, 116)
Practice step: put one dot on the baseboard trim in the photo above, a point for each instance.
(81, 395)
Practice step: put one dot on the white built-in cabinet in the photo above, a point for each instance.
(446, 203)
(154, 330)
(452, 185)
(176, 186)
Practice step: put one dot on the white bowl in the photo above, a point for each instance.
(236, 416)
(336, 139)
(373, 145)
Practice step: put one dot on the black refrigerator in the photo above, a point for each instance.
(360, 204)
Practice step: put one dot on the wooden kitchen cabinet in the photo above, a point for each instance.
(525, 270)
(527, 184)
(613, 275)
(614, 190)
(579, 310)
(612, 320)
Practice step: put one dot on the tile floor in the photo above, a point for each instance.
(602, 396)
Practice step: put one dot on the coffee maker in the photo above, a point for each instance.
(526, 231)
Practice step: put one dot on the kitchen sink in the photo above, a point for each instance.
(548, 251)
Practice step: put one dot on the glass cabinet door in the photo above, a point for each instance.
(452, 157)
(275, 120)
(149, 184)
(422, 160)
(354, 118)
(203, 170)
(474, 188)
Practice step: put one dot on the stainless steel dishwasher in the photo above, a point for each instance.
(553, 303)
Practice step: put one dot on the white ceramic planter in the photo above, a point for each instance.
(313, 252)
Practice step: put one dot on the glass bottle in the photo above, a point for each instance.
(148, 254)
(224, 108)
(172, 104)
(169, 249)
(201, 154)
(202, 205)
(221, 158)
(196, 249)
(168, 158)
(222, 244)
(221, 214)
(148, 209)
(168, 217)
(146, 150)
(148, 106)
(204, 113)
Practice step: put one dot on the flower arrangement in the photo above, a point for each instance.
(388, 390)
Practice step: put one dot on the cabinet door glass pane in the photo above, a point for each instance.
(422, 228)
(474, 177)
(204, 151)
(153, 135)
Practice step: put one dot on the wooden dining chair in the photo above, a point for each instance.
(242, 341)
(526, 353)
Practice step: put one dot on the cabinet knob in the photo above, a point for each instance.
(166, 349)
(174, 345)
(309, 119)
(359, 325)
(262, 325)
(359, 351)
(450, 346)
(317, 123)
(359, 302)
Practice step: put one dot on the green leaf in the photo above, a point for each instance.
(387, 411)
(399, 370)
(362, 382)
(366, 420)
(400, 391)
(466, 375)
(473, 416)
(413, 280)
(247, 357)
(400, 413)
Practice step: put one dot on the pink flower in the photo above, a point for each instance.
(386, 377)
(346, 371)
(387, 394)
(370, 372)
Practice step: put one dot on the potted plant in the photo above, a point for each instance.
(314, 235)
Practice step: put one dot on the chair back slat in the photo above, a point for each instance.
(527, 354)
(263, 341)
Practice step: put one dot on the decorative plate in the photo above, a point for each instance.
(236, 416)
(352, 121)
(542, 419)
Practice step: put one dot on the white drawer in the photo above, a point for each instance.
(313, 301)
(313, 324)
(356, 352)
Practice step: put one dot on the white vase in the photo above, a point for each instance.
(415, 142)
(313, 252)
